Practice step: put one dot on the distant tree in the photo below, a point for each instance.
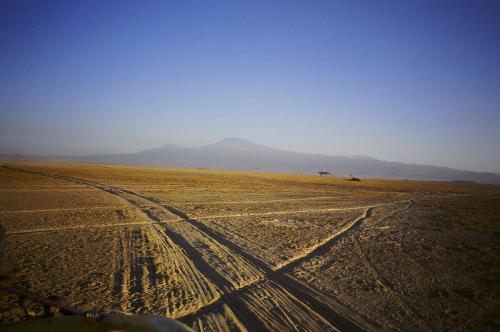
(353, 178)
(321, 173)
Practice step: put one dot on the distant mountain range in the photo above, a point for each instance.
(240, 154)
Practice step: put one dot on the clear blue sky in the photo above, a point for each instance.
(411, 81)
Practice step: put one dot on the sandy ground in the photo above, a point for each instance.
(233, 251)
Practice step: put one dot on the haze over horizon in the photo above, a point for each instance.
(410, 82)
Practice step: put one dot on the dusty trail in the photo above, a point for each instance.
(144, 283)
(259, 214)
(46, 190)
(242, 280)
(56, 229)
(328, 242)
(271, 200)
(337, 318)
(388, 285)
(155, 212)
(66, 209)
(197, 284)
(182, 217)
(220, 318)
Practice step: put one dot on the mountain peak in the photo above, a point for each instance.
(236, 144)
(233, 140)
(362, 157)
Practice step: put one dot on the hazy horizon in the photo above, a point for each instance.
(410, 82)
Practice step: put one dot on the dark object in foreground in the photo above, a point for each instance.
(45, 316)
(110, 322)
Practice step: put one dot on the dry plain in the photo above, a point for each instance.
(253, 251)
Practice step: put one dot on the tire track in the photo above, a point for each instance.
(336, 318)
(388, 285)
(248, 318)
(65, 209)
(328, 242)
(221, 318)
(130, 277)
(267, 201)
(168, 271)
(156, 220)
(46, 190)
(57, 229)
(339, 317)
(258, 214)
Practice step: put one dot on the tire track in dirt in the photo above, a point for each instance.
(266, 201)
(178, 270)
(156, 221)
(308, 303)
(336, 318)
(221, 318)
(339, 317)
(258, 214)
(46, 190)
(131, 277)
(328, 242)
(65, 209)
(132, 283)
(57, 229)
(163, 233)
(385, 283)
(222, 281)
(231, 296)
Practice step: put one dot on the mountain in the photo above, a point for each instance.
(239, 154)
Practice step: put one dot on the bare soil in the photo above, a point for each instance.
(234, 251)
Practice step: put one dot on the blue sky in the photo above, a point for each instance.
(411, 81)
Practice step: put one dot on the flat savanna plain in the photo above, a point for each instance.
(253, 251)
